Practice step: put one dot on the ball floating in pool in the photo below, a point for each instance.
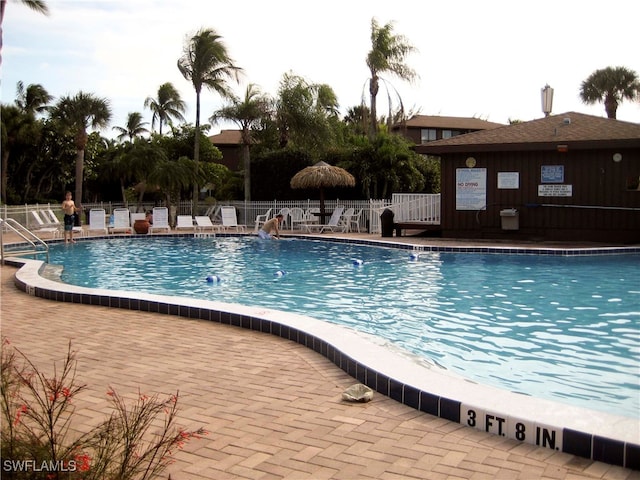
(214, 279)
(280, 273)
(357, 262)
(414, 256)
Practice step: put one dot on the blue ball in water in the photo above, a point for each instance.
(357, 262)
(414, 256)
(213, 279)
(280, 273)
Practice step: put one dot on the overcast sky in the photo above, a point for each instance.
(487, 59)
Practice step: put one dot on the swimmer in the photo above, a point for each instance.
(271, 225)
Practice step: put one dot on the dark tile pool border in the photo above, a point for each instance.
(571, 441)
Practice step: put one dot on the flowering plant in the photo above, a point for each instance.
(136, 442)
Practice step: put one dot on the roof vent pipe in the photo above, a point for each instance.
(566, 121)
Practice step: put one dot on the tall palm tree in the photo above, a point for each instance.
(388, 54)
(610, 85)
(247, 114)
(205, 62)
(134, 128)
(166, 106)
(76, 115)
(36, 5)
(18, 128)
(33, 99)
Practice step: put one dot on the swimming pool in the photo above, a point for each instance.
(562, 328)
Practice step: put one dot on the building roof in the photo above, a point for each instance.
(573, 129)
(436, 121)
(227, 137)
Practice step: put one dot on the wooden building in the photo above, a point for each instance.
(229, 143)
(565, 177)
(421, 129)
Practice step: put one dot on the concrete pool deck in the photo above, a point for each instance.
(272, 406)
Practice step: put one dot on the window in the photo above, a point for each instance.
(450, 133)
(427, 135)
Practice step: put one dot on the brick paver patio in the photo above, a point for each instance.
(273, 408)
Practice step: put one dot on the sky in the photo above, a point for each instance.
(487, 59)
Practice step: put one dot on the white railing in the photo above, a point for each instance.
(406, 208)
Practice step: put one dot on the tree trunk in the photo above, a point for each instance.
(79, 176)
(246, 160)
(196, 150)
(611, 106)
(373, 91)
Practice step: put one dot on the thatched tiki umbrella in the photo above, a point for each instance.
(321, 176)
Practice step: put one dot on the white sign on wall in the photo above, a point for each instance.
(508, 180)
(555, 190)
(471, 188)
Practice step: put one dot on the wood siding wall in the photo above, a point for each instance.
(597, 181)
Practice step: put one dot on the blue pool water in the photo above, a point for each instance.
(562, 328)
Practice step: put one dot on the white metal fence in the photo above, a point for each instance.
(406, 208)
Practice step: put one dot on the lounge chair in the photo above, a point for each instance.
(121, 221)
(44, 227)
(97, 221)
(261, 219)
(185, 222)
(51, 217)
(230, 219)
(203, 223)
(333, 224)
(160, 220)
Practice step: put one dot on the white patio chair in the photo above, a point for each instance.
(97, 221)
(260, 220)
(285, 217)
(160, 220)
(121, 221)
(333, 224)
(203, 223)
(355, 221)
(44, 227)
(230, 219)
(185, 222)
(296, 215)
(53, 219)
(345, 219)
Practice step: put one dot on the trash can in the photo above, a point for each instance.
(509, 217)
(386, 223)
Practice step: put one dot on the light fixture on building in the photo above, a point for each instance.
(547, 100)
(563, 148)
(617, 157)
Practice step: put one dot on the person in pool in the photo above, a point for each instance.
(69, 209)
(271, 225)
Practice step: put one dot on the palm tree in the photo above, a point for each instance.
(134, 128)
(168, 105)
(611, 86)
(36, 5)
(76, 115)
(18, 128)
(247, 114)
(33, 99)
(388, 54)
(206, 63)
